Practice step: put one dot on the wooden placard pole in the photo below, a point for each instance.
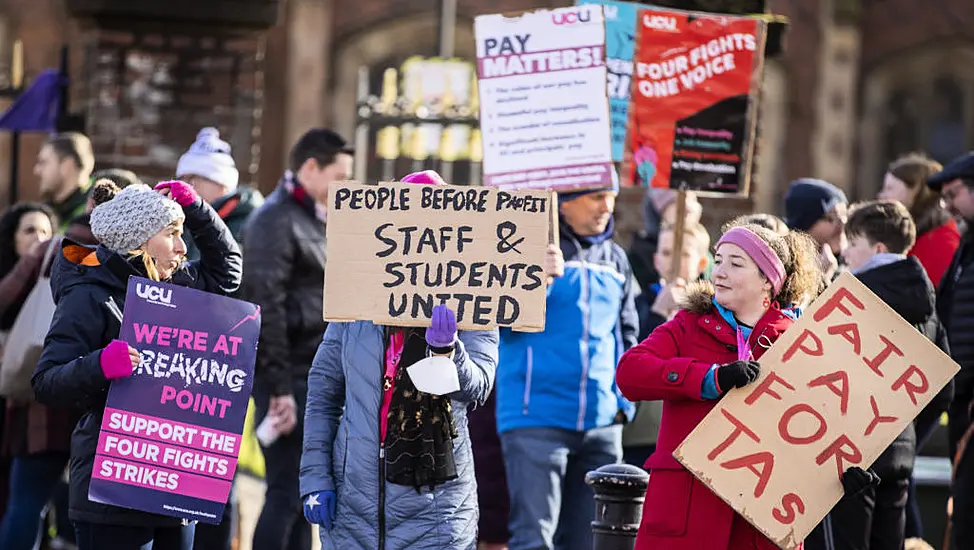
(679, 228)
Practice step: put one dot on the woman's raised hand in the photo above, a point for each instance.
(737, 374)
(180, 191)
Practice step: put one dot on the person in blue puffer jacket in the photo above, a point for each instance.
(559, 412)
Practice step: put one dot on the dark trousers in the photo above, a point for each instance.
(875, 520)
(98, 536)
(220, 536)
(281, 525)
(33, 479)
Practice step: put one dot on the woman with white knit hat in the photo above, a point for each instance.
(140, 231)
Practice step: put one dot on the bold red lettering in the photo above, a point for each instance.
(799, 344)
(786, 420)
(739, 428)
(792, 505)
(835, 302)
(849, 331)
(838, 383)
(877, 418)
(841, 448)
(765, 387)
(878, 361)
(751, 462)
(912, 389)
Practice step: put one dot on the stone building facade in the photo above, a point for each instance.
(860, 82)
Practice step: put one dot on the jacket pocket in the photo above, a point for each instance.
(529, 361)
(667, 505)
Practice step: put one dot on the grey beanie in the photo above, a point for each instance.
(130, 219)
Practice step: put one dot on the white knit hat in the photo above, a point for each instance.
(129, 220)
(210, 157)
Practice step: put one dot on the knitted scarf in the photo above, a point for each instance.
(420, 428)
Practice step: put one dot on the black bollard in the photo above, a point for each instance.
(620, 490)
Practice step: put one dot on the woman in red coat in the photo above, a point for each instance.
(937, 233)
(711, 346)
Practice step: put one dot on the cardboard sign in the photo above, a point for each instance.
(543, 107)
(835, 390)
(620, 34)
(395, 250)
(694, 101)
(171, 432)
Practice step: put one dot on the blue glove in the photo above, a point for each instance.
(319, 508)
(443, 332)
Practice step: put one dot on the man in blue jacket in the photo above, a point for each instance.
(559, 412)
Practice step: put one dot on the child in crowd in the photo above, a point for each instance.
(880, 234)
(656, 305)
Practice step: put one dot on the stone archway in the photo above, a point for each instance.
(379, 43)
(922, 100)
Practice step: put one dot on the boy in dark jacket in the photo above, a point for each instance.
(880, 233)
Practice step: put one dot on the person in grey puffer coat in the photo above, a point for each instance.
(343, 444)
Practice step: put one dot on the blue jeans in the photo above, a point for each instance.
(33, 479)
(551, 506)
(99, 536)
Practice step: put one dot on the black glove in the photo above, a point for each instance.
(855, 481)
(737, 374)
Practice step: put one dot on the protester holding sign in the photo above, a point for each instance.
(140, 233)
(711, 346)
(385, 463)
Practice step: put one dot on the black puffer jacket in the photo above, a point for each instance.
(905, 287)
(284, 273)
(89, 287)
(955, 305)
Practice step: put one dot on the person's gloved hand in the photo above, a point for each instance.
(736, 375)
(443, 331)
(180, 191)
(118, 360)
(319, 508)
(855, 480)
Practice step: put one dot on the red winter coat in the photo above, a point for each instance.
(935, 250)
(680, 513)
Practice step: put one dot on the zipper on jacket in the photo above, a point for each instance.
(583, 302)
(382, 444)
(527, 383)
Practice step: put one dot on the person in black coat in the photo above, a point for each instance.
(880, 233)
(140, 234)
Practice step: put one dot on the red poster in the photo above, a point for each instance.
(694, 101)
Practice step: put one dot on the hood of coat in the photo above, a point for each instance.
(78, 264)
(905, 287)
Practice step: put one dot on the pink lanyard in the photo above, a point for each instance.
(743, 349)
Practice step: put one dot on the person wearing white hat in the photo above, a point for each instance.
(209, 167)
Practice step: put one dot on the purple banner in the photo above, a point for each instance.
(171, 432)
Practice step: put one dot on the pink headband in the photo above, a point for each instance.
(768, 262)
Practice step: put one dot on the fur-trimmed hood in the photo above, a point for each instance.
(699, 298)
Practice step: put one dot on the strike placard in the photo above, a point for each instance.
(543, 107)
(171, 432)
(395, 250)
(835, 390)
(693, 106)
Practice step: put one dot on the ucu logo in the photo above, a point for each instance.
(571, 18)
(154, 294)
(660, 23)
(611, 12)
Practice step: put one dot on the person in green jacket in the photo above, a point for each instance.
(63, 169)
(209, 167)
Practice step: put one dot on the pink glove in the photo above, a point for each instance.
(180, 191)
(115, 360)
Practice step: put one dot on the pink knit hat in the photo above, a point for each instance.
(426, 177)
(754, 246)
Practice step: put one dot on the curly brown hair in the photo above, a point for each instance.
(797, 252)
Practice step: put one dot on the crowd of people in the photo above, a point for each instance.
(633, 356)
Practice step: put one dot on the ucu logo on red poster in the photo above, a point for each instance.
(660, 23)
(154, 294)
(572, 17)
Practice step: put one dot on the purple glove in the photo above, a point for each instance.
(443, 332)
(115, 360)
(180, 191)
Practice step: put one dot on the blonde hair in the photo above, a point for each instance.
(151, 270)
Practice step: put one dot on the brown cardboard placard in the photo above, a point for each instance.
(395, 250)
(835, 390)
